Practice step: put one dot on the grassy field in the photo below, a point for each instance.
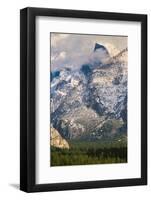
(91, 152)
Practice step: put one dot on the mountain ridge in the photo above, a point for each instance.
(85, 101)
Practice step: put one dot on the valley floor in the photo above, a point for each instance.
(90, 152)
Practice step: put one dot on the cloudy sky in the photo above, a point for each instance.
(73, 50)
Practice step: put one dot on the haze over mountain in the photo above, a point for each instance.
(73, 50)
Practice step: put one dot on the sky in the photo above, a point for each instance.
(73, 50)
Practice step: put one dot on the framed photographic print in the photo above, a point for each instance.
(83, 99)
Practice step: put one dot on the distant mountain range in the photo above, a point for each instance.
(91, 102)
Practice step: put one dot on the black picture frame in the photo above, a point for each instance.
(28, 99)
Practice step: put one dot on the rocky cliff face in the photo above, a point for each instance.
(56, 140)
(86, 101)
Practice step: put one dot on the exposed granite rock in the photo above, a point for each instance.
(57, 140)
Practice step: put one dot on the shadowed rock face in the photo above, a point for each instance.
(56, 140)
(100, 47)
(82, 101)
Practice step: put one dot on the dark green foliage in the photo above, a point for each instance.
(90, 152)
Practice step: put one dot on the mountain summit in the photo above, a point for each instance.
(100, 47)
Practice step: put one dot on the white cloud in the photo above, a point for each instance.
(62, 55)
(56, 38)
(113, 51)
(73, 50)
